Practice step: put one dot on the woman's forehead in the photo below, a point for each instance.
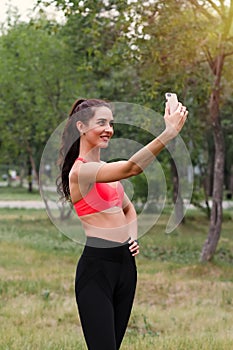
(103, 112)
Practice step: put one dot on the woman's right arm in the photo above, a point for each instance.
(107, 172)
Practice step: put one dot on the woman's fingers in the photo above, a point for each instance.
(134, 247)
(175, 121)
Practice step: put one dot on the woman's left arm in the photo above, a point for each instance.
(131, 217)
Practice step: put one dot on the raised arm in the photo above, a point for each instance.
(107, 172)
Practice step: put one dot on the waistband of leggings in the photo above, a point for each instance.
(98, 247)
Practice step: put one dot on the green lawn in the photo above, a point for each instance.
(180, 304)
(18, 193)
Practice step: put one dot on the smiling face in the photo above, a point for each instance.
(99, 130)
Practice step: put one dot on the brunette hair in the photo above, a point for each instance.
(82, 110)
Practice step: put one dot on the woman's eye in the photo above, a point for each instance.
(104, 122)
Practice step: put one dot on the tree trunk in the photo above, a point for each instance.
(208, 181)
(29, 176)
(21, 175)
(230, 184)
(210, 169)
(177, 199)
(32, 166)
(206, 194)
(211, 243)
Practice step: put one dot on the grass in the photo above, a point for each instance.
(180, 303)
(18, 193)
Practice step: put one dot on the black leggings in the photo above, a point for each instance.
(105, 287)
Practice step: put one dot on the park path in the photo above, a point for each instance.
(24, 204)
(39, 204)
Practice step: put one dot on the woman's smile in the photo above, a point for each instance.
(105, 138)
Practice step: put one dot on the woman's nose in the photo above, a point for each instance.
(108, 128)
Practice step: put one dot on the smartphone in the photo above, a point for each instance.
(172, 101)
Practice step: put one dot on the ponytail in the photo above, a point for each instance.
(83, 110)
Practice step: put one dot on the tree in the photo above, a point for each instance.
(37, 80)
(192, 39)
(217, 47)
(97, 35)
(167, 51)
(181, 45)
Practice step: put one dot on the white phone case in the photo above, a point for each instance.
(172, 101)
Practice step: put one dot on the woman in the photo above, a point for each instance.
(106, 273)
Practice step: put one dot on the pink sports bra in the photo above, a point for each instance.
(102, 196)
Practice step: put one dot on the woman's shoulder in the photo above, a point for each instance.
(75, 169)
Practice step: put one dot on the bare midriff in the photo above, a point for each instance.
(110, 224)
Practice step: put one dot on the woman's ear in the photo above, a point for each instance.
(81, 127)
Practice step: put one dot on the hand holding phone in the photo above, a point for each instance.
(172, 101)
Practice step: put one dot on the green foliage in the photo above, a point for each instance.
(36, 82)
(113, 49)
(96, 33)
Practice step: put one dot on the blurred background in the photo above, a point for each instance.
(53, 52)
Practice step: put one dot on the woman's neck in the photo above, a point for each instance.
(89, 154)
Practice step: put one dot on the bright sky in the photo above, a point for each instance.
(24, 7)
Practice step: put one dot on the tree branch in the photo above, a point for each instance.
(223, 7)
(228, 22)
(209, 58)
(228, 53)
(215, 7)
(202, 9)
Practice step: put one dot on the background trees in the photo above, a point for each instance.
(198, 39)
(126, 51)
(36, 82)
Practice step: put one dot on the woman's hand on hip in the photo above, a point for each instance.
(133, 247)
